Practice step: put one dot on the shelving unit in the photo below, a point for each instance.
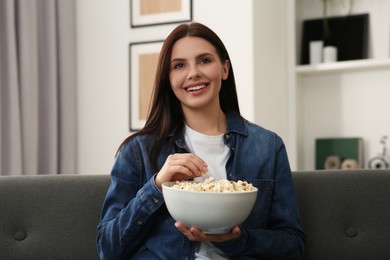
(341, 99)
(343, 66)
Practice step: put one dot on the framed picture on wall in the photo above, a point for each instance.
(156, 12)
(143, 58)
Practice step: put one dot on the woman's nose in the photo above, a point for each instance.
(193, 73)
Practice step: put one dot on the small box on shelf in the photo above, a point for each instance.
(339, 153)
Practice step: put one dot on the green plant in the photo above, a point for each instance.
(326, 29)
(346, 4)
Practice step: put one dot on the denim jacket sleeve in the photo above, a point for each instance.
(283, 236)
(128, 206)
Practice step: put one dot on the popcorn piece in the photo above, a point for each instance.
(210, 185)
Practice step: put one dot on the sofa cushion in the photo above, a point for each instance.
(346, 214)
(50, 216)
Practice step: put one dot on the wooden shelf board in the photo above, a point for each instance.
(343, 66)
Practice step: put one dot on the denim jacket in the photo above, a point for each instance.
(135, 222)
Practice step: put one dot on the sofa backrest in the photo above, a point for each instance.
(50, 216)
(345, 213)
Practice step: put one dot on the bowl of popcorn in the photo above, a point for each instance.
(212, 206)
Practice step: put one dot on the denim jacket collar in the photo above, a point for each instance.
(235, 124)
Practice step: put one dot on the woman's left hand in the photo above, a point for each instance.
(195, 234)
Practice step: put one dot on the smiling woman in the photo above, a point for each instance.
(194, 131)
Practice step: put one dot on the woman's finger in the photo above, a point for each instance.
(195, 234)
(181, 167)
(194, 163)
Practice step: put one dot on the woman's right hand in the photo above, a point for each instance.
(181, 166)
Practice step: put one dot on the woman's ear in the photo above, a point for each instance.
(225, 69)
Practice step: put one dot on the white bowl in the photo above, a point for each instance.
(212, 212)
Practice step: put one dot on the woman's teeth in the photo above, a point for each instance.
(196, 88)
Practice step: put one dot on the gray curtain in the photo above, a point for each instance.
(37, 87)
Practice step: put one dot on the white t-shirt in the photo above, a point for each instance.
(215, 153)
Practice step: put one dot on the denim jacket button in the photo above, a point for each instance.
(155, 200)
(139, 222)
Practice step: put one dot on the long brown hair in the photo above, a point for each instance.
(165, 114)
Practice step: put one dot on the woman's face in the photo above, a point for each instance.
(196, 73)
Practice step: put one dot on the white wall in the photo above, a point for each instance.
(255, 34)
(270, 53)
(103, 36)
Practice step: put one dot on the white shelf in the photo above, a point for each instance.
(345, 98)
(341, 66)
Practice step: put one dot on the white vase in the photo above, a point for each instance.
(316, 52)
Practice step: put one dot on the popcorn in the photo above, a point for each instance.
(210, 185)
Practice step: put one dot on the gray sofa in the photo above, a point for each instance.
(346, 214)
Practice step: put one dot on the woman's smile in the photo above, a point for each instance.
(196, 89)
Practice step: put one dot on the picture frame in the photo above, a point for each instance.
(143, 58)
(158, 12)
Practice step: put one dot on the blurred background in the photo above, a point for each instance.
(65, 84)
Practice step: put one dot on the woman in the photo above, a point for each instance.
(194, 130)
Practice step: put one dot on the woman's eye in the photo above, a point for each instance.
(204, 61)
(178, 66)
